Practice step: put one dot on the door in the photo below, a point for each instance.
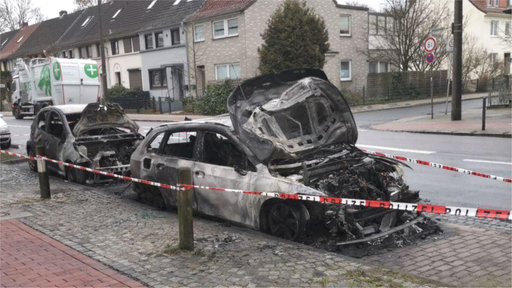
(175, 151)
(222, 164)
(54, 139)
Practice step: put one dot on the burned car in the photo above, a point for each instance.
(97, 136)
(290, 133)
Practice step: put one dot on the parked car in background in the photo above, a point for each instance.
(290, 133)
(5, 134)
(98, 136)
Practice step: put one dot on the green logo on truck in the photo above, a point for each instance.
(45, 83)
(91, 70)
(56, 71)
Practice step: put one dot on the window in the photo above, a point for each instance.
(136, 44)
(115, 15)
(225, 28)
(383, 67)
(175, 35)
(118, 78)
(494, 57)
(41, 120)
(227, 71)
(87, 20)
(63, 54)
(115, 47)
(221, 151)
(507, 29)
(494, 28)
(346, 73)
(56, 127)
(373, 24)
(151, 5)
(70, 53)
(176, 2)
(390, 29)
(89, 51)
(84, 52)
(381, 25)
(159, 37)
(345, 25)
(157, 78)
(98, 49)
(199, 33)
(179, 144)
(127, 43)
(155, 143)
(373, 67)
(21, 38)
(378, 67)
(149, 41)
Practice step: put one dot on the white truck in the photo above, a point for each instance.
(53, 81)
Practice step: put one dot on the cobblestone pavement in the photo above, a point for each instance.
(108, 224)
(50, 263)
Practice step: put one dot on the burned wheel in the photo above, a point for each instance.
(32, 164)
(287, 220)
(76, 175)
(16, 112)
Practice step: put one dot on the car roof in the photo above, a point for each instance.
(69, 108)
(223, 120)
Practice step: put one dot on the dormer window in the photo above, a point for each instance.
(151, 5)
(87, 21)
(21, 38)
(115, 15)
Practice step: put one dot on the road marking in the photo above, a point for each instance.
(397, 149)
(362, 130)
(485, 161)
(18, 126)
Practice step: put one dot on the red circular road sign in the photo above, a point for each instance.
(430, 58)
(430, 44)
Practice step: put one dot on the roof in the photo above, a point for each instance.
(213, 8)
(6, 37)
(166, 13)
(46, 35)
(482, 6)
(17, 41)
(350, 6)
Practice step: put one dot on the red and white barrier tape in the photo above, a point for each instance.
(440, 166)
(437, 209)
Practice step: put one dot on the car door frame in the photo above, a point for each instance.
(48, 138)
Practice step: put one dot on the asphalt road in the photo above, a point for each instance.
(488, 155)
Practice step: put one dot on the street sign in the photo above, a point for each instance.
(430, 58)
(449, 45)
(437, 32)
(430, 44)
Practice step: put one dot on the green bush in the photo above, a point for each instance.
(117, 90)
(189, 103)
(214, 101)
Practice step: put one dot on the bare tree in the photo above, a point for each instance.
(13, 13)
(401, 43)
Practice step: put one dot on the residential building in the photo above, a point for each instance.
(380, 26)
(12, 45)
(4, 40)
(164, 48)
(225, 36)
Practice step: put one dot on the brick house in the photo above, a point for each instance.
(225, 36)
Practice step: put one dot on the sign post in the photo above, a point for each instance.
(430, 45)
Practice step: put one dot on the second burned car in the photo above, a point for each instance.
(290, 133)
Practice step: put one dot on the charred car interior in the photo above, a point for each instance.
(291, 133)
(93, 135)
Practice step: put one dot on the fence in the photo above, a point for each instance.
(134, 100)
(406, 85)
(487, 84)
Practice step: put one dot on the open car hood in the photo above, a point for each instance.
(280, 116)
(96, 116)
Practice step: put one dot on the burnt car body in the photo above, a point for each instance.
(97, 136)
(287, 133)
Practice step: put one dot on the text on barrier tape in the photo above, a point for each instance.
(436, 209)
(440, 166)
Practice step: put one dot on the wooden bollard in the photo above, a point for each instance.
(44, 181)
(185, 216)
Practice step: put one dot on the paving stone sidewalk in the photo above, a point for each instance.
(48, 263)
(107, 224)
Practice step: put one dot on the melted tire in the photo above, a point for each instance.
(288, 220)
(32, 164)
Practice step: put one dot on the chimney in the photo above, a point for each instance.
(24, 25)
(62, 13)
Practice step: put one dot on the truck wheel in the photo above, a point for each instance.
(16, 112)
(288, 220)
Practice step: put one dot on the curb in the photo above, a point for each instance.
(447, 133)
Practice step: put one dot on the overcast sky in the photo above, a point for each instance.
(51, 8)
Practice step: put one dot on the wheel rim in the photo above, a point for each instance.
(32, 163)
(283, 221)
